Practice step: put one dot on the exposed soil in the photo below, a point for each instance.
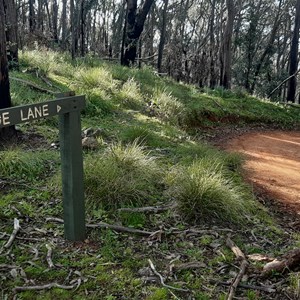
(272, 164)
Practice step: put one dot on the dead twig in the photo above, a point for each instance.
(49, 256)
(162, 281)
(263, 288)
(105, 225)
(13, 235)
(33, 86)
(43, 287)
(153, 209)
(243, 267)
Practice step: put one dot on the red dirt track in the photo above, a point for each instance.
(272, 163)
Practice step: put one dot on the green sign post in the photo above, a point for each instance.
(68, 109)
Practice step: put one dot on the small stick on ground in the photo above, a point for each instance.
(243, 267)
(162, 279)
(267, 289)
(49, 256)
(43, 287)
(105, 225)
(13, 235)
(153, 209)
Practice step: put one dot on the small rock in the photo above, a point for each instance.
(89, 143)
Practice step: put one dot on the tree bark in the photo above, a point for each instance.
(11, 31)
(293, 59)
(5, 100)
(134, 28)
(162, 37)
(227, 50)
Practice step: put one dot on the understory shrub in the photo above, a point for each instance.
(204, 192)
(123, 175)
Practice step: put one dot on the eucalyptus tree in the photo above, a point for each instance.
(5, 99)
(11, 26)
(293, 58)
(134, 25)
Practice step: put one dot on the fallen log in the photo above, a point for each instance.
(288, 262)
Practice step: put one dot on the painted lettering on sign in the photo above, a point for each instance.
(4, 118)
(32, 113)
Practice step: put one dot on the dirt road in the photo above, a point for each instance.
(272, 164)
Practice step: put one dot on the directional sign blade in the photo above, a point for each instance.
(31, 112)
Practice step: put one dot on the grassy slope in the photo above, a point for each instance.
(148, 153)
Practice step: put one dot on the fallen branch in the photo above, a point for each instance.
(154, 209)
(14, 233)
(49, 256)
(33, 85)
(243, 267)
(262, 288)
(283, 82)
(105, 225)
(287, 262)
(43, 287)
(188, 266)
(162, 279)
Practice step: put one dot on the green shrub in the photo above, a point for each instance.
(123, 175)
(205, 192)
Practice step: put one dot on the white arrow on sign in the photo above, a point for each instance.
(58, 108)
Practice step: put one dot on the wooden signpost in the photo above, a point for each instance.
(68, 109)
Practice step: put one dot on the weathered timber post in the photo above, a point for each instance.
(72, 176)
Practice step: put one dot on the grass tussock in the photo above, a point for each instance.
(123, 175)
(168, 107)
(29, 166)
(204, 192)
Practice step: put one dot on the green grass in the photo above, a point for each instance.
(151, 152)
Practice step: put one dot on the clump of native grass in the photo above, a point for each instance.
(130, 95)
(168, 107)
(123, 175)
(90, 78)
(20, 165)
(205, 192)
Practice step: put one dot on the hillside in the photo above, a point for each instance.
(148, 145)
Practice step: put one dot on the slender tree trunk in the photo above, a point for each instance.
(31, 17)
(64, 24)
(11, 31)
(5, 100)
(227, 45)
(268, 47)
(293, 60)
(162, 37)
(212, 71)
(73, 29)
(55, 21)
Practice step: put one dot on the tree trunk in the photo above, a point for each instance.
(5, 100)
(31, 17)
(55, 21)
(64, 24)
(11, 31)
(134, 27)
(268, 48)
(293, 60)
(227, 50)
(162, 37)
